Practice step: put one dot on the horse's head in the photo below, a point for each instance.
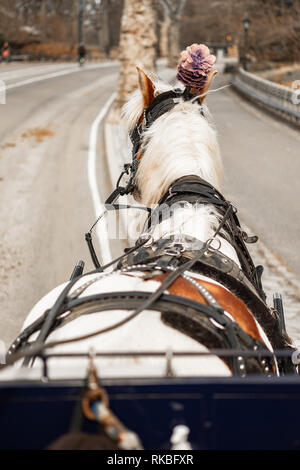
(173, 134)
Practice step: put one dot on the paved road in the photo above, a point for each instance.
(46, 203)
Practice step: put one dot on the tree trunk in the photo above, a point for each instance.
(104, 35)
(164, 37)
(174, 36)
(42, 20)
(137, 45)
(173, 10)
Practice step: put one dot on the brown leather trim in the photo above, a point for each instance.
(226, 299)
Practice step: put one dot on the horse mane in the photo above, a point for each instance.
(181, 142)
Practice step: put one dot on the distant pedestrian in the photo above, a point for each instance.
(5, 52)
(81, 53)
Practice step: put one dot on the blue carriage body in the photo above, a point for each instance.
(222, 413)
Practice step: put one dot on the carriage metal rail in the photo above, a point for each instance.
(169, 355)
(279, 99)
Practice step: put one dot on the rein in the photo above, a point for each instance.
(230, 334)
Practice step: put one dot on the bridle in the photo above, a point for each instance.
(161, 104)
(192, 316)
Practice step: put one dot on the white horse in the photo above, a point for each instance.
(178, 143)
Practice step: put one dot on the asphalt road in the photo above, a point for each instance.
(46, 201)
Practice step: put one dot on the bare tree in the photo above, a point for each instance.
(98, 19)
(137, 45)
(104, 27)
(273, 35)
(102, 23)
(164, 23)
(173, 10)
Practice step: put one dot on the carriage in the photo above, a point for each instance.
(220, 413)
(200, 361)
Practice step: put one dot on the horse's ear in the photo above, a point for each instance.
(209, 80)
(146, 86)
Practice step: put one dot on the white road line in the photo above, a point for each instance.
(41, 78)
(33, 70)
(101, 228)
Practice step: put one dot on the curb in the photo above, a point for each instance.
(117, 152)
(117, 148)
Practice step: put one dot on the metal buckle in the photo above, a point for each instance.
(210, 248)
(175, 249)
(145, 236)
(216, 324)
(130, 170)
(170, 192)
(126, 170)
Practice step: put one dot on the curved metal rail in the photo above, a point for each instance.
(279, 99)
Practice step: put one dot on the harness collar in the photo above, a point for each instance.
(195, 190)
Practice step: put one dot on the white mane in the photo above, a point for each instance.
(181, 142)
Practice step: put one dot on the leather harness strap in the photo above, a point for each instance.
(193, 318)
(216, 266)
(195, 190)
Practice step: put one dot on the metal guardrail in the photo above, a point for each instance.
(280, 99)
(19, 57)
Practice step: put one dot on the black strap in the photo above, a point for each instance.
(229, 332)
(119, 191)
(161, 104)
(89, 240)
(194, 189)
(109, 206)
